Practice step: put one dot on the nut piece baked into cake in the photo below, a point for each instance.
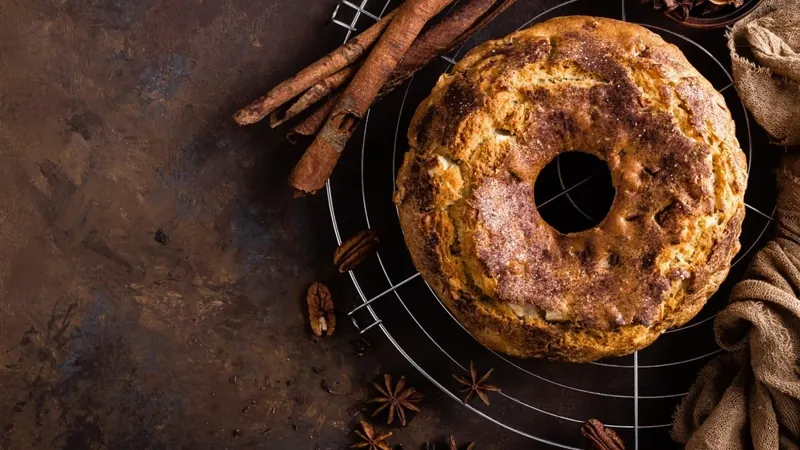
(466, 198)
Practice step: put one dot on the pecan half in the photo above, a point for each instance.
(355, 250)
(602, 438)
(320, 309)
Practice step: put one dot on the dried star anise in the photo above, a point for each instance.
(602, 438)
(476, 386)
(355, 250)
(682, 9)
(321, 315)
(397, 399)
(371, 440)
(678, 8)
(453, 446)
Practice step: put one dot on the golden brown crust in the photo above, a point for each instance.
(465, 190)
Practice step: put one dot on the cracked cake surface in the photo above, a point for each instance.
(465, 191)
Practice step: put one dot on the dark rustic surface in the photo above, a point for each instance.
(153, 263)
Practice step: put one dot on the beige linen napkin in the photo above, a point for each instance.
(749, 398)
(765, 55)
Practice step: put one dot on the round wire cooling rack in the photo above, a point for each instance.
(541, 400)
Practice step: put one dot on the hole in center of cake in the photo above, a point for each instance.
(574, 192)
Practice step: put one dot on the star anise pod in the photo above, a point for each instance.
(397, 399)
(679, 9)
(355, 250)
(453, 446)
(476, 386)
(321, 315)
(602, 438)
(371, 440)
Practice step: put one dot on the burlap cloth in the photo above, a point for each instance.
(765, 55)
(749, 397)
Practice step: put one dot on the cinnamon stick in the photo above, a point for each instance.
(437, 40)
(502, 6)
(317, 163)
(471, 16)
(313, 123)
(311, 96)
(454, 29)
(321, 69)
(442, 37)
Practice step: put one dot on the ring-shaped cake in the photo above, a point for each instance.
(465, 192)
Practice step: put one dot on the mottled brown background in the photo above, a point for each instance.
(114, 123)
(153, 264)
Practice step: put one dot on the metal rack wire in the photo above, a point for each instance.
(558, 396)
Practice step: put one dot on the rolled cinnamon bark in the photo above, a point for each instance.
(313, 123)
(451, 31)
(317, 163)
(323, 68)
(437, 40)
(311, 96)
(502, 6)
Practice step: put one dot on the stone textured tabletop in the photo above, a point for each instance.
(153, 263)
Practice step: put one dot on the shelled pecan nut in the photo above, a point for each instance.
(355, 250)
(602, 438)
(321, 314)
